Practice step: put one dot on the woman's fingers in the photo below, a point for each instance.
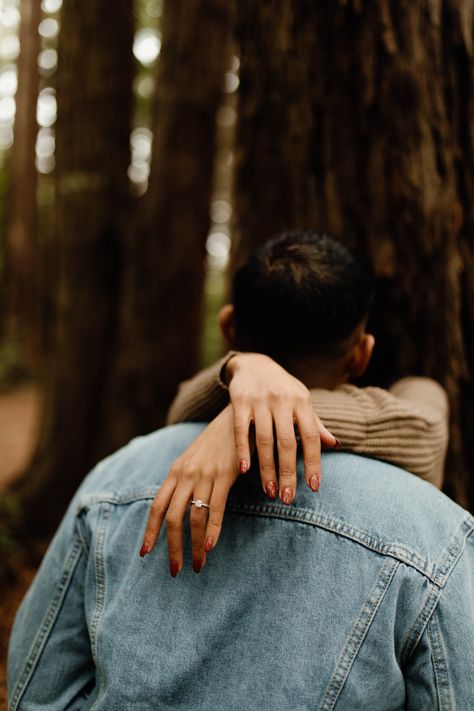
(216, 512)
(174, 524)
(157, 513)
(198, 517)
(309, 430)
(242, 418)
(286, 443)
(328, 441)
(266, 459)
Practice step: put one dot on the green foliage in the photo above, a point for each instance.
(214, 298)
(12, 367)
(149, 12)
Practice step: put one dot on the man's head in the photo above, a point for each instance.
(303, 299)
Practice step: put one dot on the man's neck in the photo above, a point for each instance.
(319, 375)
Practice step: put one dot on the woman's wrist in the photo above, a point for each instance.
(239, 361)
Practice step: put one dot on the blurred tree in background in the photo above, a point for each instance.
(164, 268)
(94, 122)
(359, 118)
(347, 116)
(22, 318)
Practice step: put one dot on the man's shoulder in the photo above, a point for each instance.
(396, 512)
(376, 505)
(371, 502)
(140, 466)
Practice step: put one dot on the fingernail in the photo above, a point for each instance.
(314, 483)
(271, 489)
(197, 565)
(338, 445)
(144, 550)
(209, 544)
(243, 466)
(286, 495)
(174, 568)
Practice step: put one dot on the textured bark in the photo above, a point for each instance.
(357, 118)
(92, 155)
(23, 313)
(163, 299)
(274, 185)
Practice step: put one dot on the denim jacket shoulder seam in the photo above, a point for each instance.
(358, 634)
(454, 550)
(431, 602)
(335, 525)
(81, 534)
(440, 665)
(418, 628)
(100, 574)
(47, 623)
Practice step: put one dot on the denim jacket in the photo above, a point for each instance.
(358, 597)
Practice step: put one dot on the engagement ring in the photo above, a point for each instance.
(199, 504)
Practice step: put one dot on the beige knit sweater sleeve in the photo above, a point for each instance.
(407, 425)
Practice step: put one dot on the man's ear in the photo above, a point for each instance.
(226, 323)
(360, 355)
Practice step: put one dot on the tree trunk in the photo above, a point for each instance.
(23, 313)
(162, 308)
(274, 186)
(356, 118)
(94, 88)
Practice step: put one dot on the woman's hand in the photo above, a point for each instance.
(205, 471)
(262, 393)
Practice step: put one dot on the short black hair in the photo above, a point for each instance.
(301, 294)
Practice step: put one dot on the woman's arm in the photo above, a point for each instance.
(273, 402)
(202, 397)
(407, 426)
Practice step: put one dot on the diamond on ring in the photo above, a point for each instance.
(199, 504)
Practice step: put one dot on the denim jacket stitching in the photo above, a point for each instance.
(99, 562)
(47, 623)
(440, 666)
(454, 550)
(453, 553)
(357, 635)
(416, 632)
(437, 574)
(106, 497)
(335, 525)
(81, 534)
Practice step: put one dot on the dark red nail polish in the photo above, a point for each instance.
(174, 568)
(144, 550)
(271, 489)
(197, 565)
(243, 466)
(338, 445)
(209, 544)
(286, 495)
(314, 483)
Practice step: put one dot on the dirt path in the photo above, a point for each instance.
(19, 416)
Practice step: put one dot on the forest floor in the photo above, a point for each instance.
(19, 417)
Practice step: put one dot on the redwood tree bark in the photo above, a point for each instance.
(162, 304)
(23, 313)
(94, 93)
(356, 118)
